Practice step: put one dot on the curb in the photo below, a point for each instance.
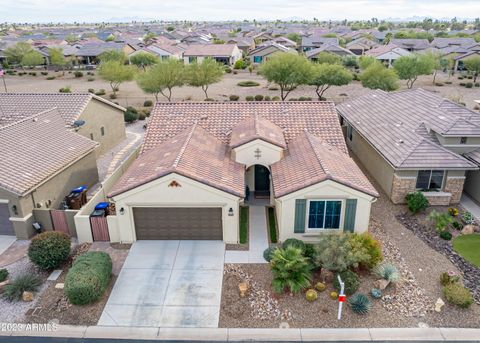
(240, 334)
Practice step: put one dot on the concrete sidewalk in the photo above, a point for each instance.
(223, 334)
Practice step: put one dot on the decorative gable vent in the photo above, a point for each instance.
(174, 184)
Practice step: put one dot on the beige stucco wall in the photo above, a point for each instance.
(246, 155)
(83, 172)
(97, 115)
(285, 208)
(158, 194)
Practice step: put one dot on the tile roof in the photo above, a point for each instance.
(219, 119)
(35, 148)
(16, 106)
(311, 160)
(256, 127)
(334, 49)
(440, 42)
(396, 125)
(383, 49)
(180, 155)
(414, 43)
(95, 49)
(317, 41)
(209, 50)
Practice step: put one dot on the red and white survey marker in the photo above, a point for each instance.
(341, 297)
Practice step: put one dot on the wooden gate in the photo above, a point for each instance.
(59, 221)
(99, 228)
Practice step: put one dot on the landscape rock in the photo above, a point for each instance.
(468, 230)
(381, 284)
(439, 304)
(59, 285)
(27, 296)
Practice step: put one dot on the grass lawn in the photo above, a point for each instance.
(468, 246)
(272, 227)
(243, 225)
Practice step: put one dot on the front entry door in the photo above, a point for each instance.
(262, 179)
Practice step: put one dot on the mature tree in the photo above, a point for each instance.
(71, 38)
(410, 67)
(16, 52)
(473, 66)
(204, 74)
(288, 71)
(438, 62)
(326, 57)
(149, 37)
(57, 58)
(115, 73)
(32, 59)
(162, 78)
(327, 75)
(112, 55)
(378, 77)
(143, 60)
(366, 61)
(295, 37)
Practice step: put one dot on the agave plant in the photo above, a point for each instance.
(387, 271)
(359, 303)
(376, 293)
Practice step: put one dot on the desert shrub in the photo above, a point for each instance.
(51, 78)
(469, 77)
(460, 77)
(305, 98)
(291, 270)
(367, 248)
(148, 103)
(477, 84)
(78, 74)
(458, 295)
(276, 98)
(267, 98)
(22, 283)
(453, 211)
(228, 70)
(350, 279)
(248, 84)
(65, 89)
(441, 220)
(240, 64)
(91, 79)
(309, 251)
(376, 293)
(49, 249)
(359, 303)
(209, 99)
(112, 96)
(249, 98)
(448, 82)
(296, 243)
(3, 274)
(273, 88)
(100, 92)
(333, 295)
(447, 278)
(462, 84)
(469, 85)
(258, 97)
(445, 235)
(130, 115)
(91, 90)
(311, 295)
(235, 72)
(417, 202)
(457, 225)
(268, 253)
(234, 97)
(44, 73)
(439, 84)
(334, 252)
(88, 278)
(141, 116)
(32, 73)
(387, 271)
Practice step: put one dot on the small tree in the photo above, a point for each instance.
(162, 78)
(291, 270)
(143, 60)
(57, 58)
(112, 55)
(438, 62)
(378, 77)
(32, 59)
(366, 61)
(410, 67)
(16, 52)
(149, 37)
(288, 71)
(116, 73)
(329, 58)
(204, 74)
(327, 75)
(473, 66)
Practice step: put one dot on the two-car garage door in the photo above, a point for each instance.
(178, 223)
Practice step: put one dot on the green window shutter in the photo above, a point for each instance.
(350, 212)
(300, 213)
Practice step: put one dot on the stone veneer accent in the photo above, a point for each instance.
(438, 198)
(454, 186)
(401, 187)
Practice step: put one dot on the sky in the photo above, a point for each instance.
(106, 10)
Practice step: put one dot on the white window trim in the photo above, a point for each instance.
(342, 214)
(430, 180)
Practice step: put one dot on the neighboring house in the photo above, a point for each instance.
(264, 52)
(329, 48)
(88, 53)
(441, 43)
(387, 54)
(282, 41)
(361, 45)
(314, 42)
(201, 161)
(411, 44)
(226, 54)
(162, 51)
(245, 44)
(414, 140)
(41, 161)
(460, 59)
(91, 116)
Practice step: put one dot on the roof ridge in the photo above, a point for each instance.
(319, 159)
(184, 146)
(255, 125)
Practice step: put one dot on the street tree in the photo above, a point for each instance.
(162, 78)
(143, 60)
(115, 72)
(439, 63)
(204, 74)
(16, 52)
(410, 67)
(327, 75)
(112, 55)
(57, 58)
(32, 59)
(473, 66)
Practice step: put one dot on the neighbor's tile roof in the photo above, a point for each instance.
(395, 124)
(95, 49)
(440, 42)
(317, 41)
(311, 160)
(219, 119)
(193, 153)
(35, 148)
(415, 43)
(16, 106)
(209, 50)
(331, 48)
(256, 127)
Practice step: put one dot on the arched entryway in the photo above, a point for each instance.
(257, 180)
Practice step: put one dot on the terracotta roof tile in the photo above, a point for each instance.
(257, 127)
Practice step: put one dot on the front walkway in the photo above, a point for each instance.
(471, 206)
(257, 239)
(168, 284)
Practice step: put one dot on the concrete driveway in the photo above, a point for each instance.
(168, 284)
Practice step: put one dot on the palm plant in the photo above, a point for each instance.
(291, 270)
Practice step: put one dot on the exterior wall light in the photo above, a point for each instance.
(230, 212)
(122, 211)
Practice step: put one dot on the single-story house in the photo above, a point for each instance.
(201, 161)
(414, 141)
(282, 41)
(460, 59)
(361, 45)
(314, 42)
(328, 48)
(264, 52)
(162, 51)
(411, 44)
(440, 43)
(89, 115)
(42, 160)
(227, 54)
(88, 53)
(387, 54)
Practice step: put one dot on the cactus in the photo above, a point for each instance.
(376, 293)
(333, 295)
(359, 303)
(311, 295)
(320, 286)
